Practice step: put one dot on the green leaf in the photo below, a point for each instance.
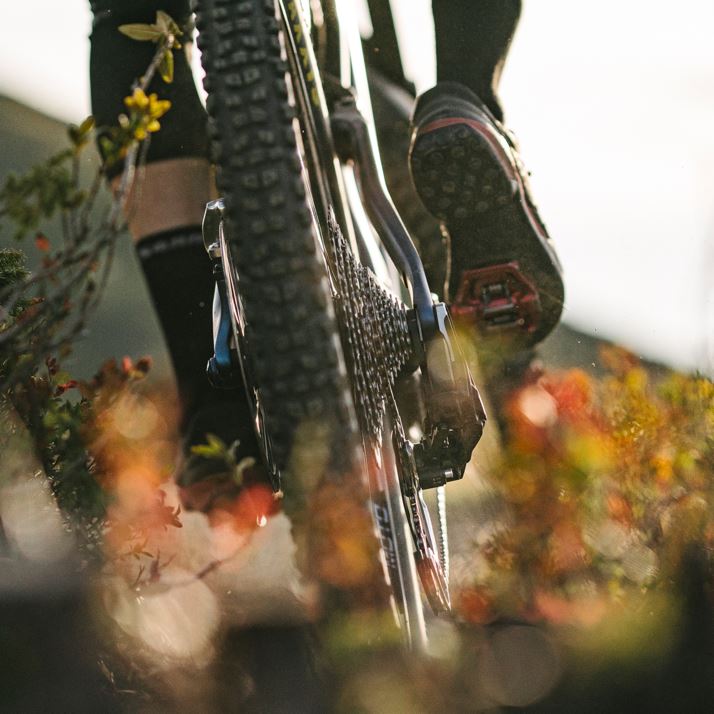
(12, 267)
(206, 451)
(166, 67)
(106, 144)
(216, 441)
(141, 32)
(86, 126)
(215, 448)
(167, 24)
(79, 135)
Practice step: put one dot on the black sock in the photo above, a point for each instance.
(472, 40)
(178, 272)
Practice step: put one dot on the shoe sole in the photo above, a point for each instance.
(464, 175)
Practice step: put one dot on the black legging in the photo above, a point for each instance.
(472, 40)
(116, 61)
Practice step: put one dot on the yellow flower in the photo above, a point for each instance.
(157, 107)
(151, 107)
(145, 112)
(138, 100)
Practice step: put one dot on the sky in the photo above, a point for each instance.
(613, 104)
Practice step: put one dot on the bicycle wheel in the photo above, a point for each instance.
(292, 348)
(277, 207)
(295, 355)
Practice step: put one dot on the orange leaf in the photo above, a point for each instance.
(475, 606)
(42, 242)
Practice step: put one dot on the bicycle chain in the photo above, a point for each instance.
(376, 331)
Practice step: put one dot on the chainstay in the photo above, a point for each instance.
(375, 329)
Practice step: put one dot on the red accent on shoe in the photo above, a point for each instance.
(497, 298)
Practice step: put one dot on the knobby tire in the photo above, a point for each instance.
(294, 350)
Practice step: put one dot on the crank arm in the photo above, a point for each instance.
(229, 367)
(223, 368)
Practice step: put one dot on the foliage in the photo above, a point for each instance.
(43, 311)
(41, 314)
(142, 120)
(163, 32)
(607, 483)
(216, 448)
(47, 189)
(63, 419)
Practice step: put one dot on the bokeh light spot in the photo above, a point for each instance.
(518, 666)
(32, 522)
(640, 563)
(178, 622)
(135, 417)
(538, 406)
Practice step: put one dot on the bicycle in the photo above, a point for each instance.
(323, 310)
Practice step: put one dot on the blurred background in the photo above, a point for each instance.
(613, 108)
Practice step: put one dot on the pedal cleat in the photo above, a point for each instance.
(498, 299)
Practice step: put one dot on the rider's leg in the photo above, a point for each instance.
(472, 40)
(468, 173)
(505, 277)
(165, 213)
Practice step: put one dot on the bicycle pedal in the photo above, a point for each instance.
(497, 299)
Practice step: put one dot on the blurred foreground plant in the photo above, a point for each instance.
(42, 312)
(608, 482)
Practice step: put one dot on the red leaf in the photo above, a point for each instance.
(62, 388)
(42, 242)
(474, 605)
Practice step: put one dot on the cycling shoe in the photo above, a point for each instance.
(506, 279)
(210, 475)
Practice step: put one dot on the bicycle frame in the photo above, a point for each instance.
(346, 128)
(352, 211)
(340, 184)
